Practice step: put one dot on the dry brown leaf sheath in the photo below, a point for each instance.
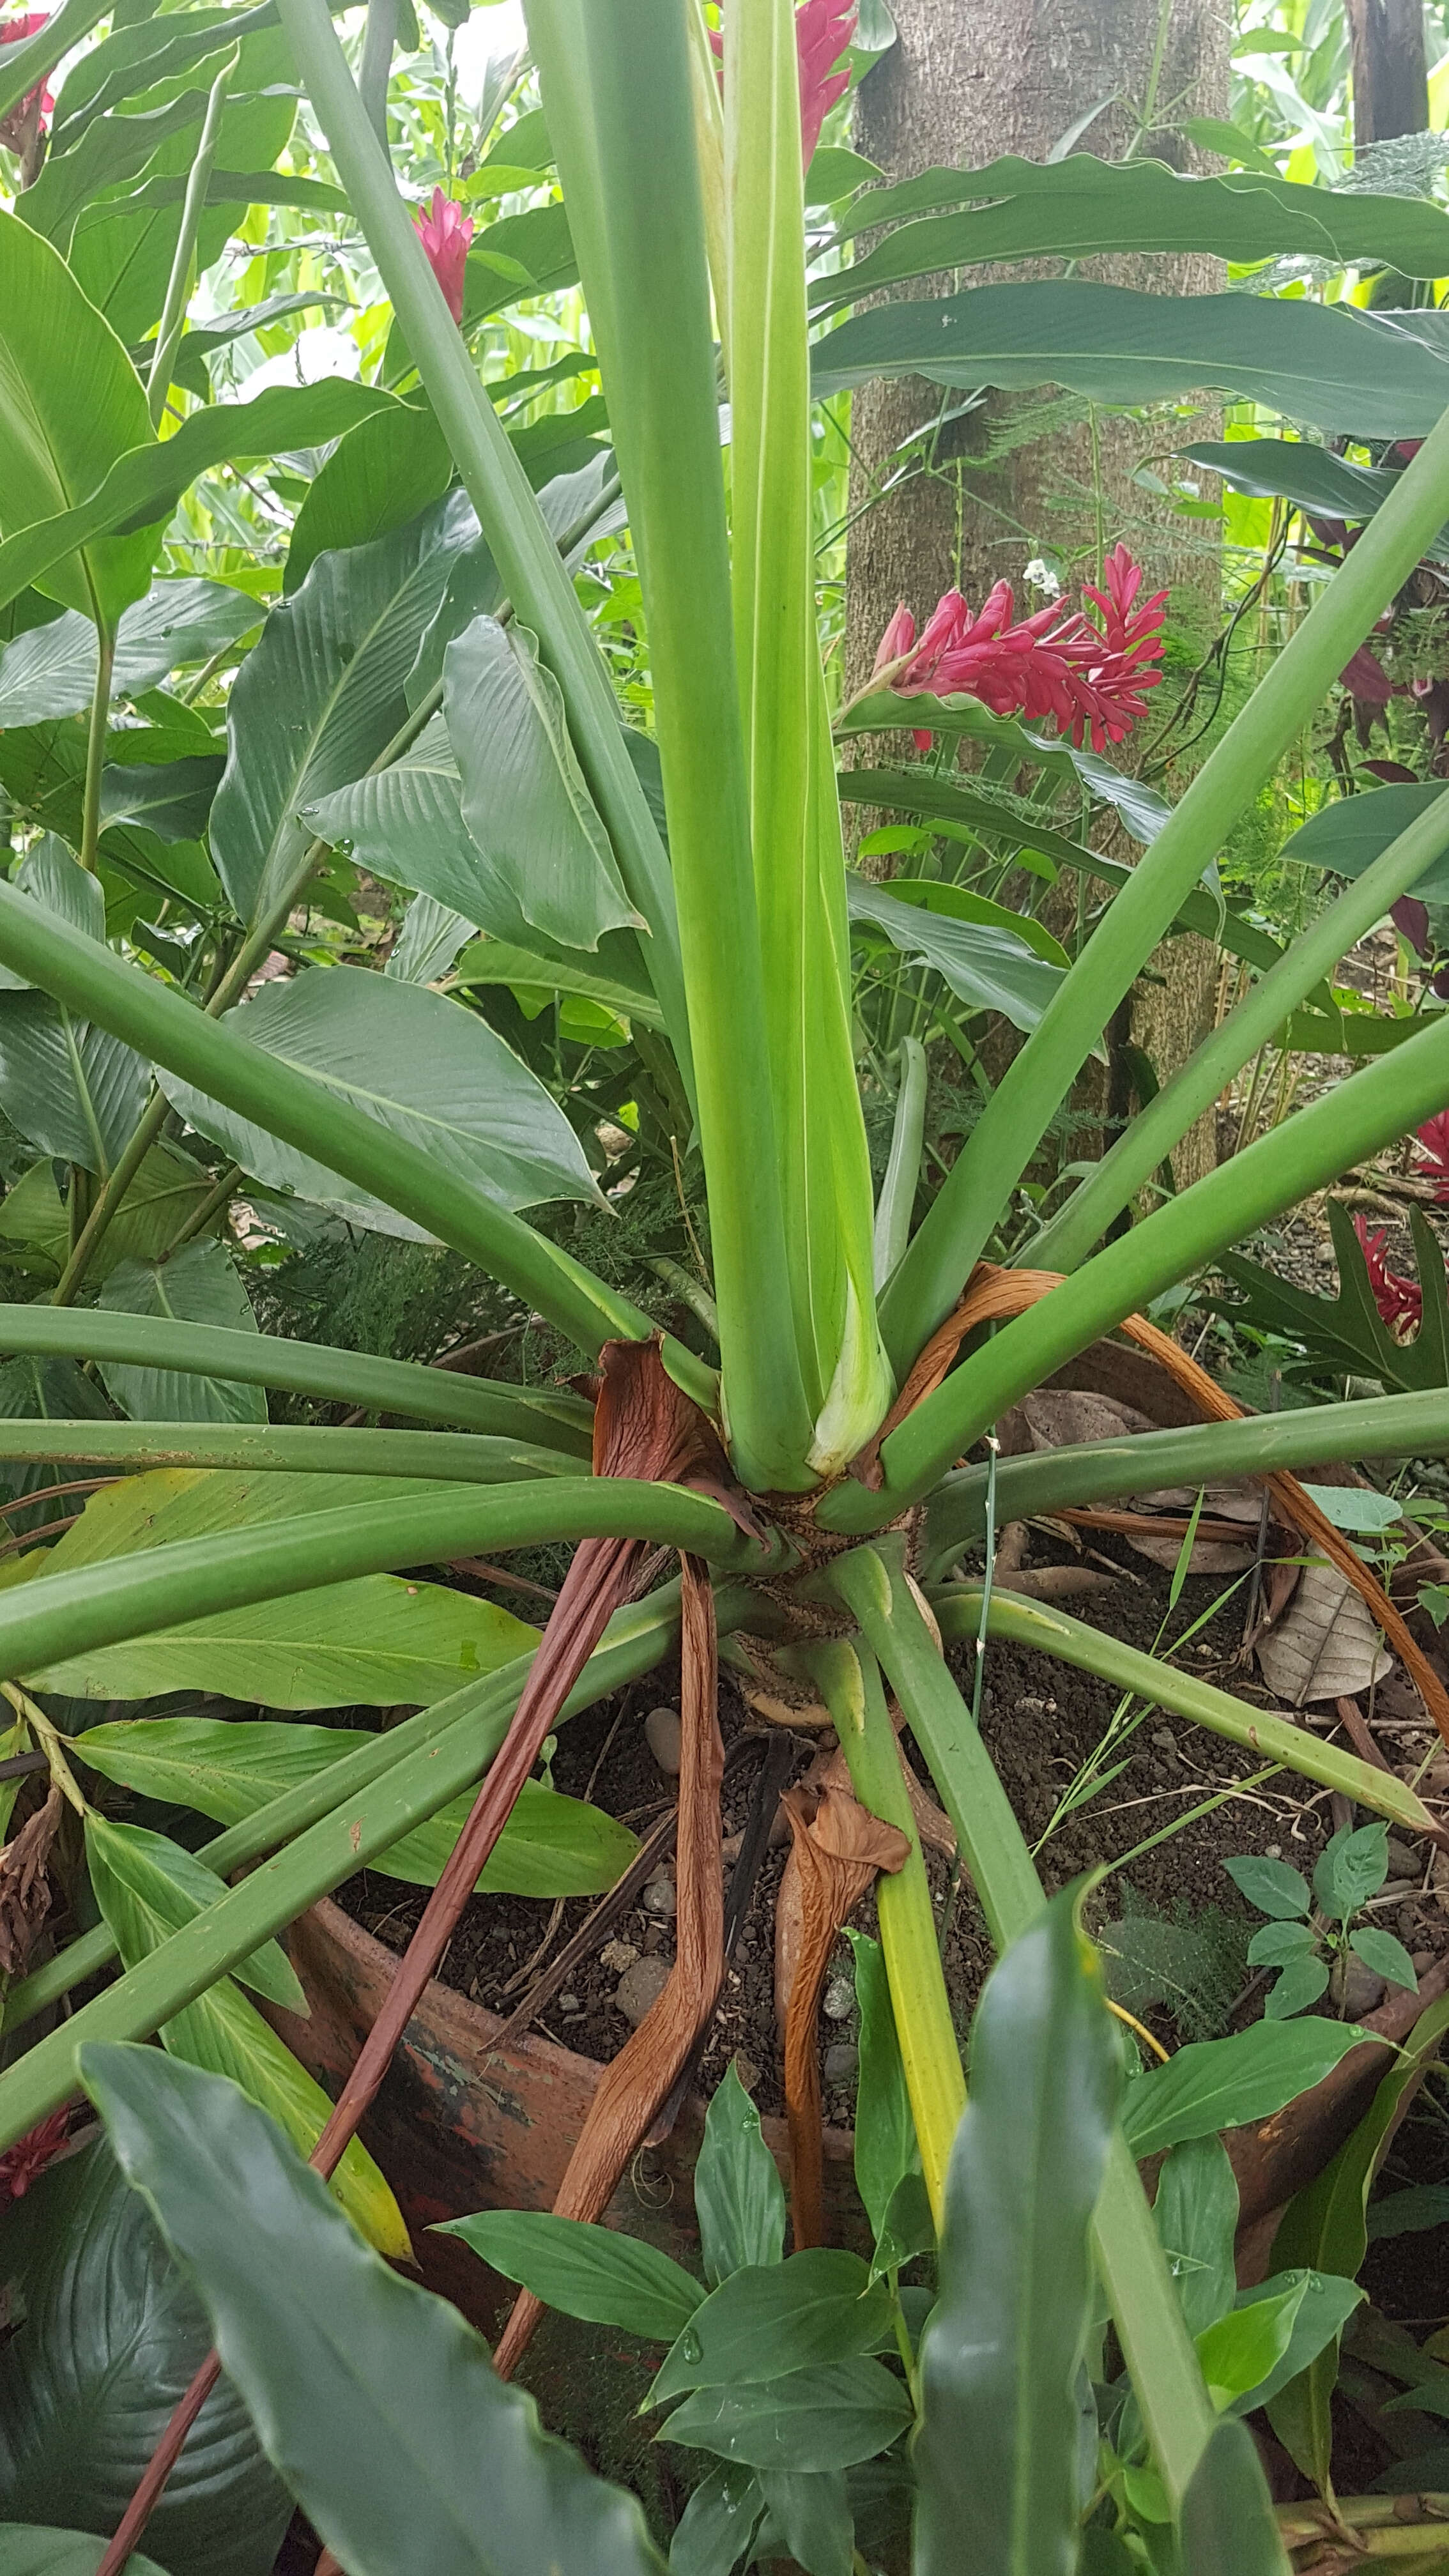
(24, 1886)
(641, 2078)
(836, 1853)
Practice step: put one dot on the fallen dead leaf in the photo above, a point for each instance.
(24, 1885)
(1063, 1417)
(1325, 1646)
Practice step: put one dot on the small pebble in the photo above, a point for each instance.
(660, 1898)
(618, 1955)
(640, 1988)
(1272, 1851)
(1403, 1859)
(1356, 1987)
(663, 1734)
(839, 1999)
(1164, 1739)
(842, 2063)
(569, 2004)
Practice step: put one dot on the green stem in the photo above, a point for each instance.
(1150, 1137)
(300, 1110)
(183, 265)
(849, 1680)
(51, 1744)
(60, 1616)
(689, 1291)
(96, 746)
(1344, 1127)
(550, 1416)
(903, 1170)
(217, 1197)
(1175, 2406)
(508, 513)
(375, 68)
(1147, 1462)
(375, 1810)
(108, 1199)
(1015, 1119)
(1030, 1623)
(435, 1457)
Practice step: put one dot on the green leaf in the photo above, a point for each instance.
(886, 2152)
(51, 671)
(149, 1885)
(70, 1087)
(200, 1284)
(1085, 208)
(428, 1069)
(1227, 2513)
(376, 479)
(173, 801)
(1349, 833)
(809, 2521)
(527, 972)
(1271, 1886)
(1241, 2350)
(1387, 1957)
(718, 2525)
(1403, 2213)
(1221, 2083)
(378, 2405)
(1301, 1984)
(1278, 1944)
(144, 484)
(58, 882)
(1332, 367)
(1196, 2214)
(111, 2338)
(907, 2227)
(987, 968)
(739, 2199)
(320, 695)
(996, 2455)
(1327, 2303)
(524, 800)
(1294, 469)
(955, 903)
(71, 404)
(427, 943)
(168, 1189)
(551, 1846)
(769, 2319)
(811, 2419)
(1351, 1868)
(596, 2273)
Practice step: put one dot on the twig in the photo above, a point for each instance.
(485, 1573)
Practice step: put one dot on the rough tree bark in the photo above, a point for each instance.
(962, 86)
(1390, 72)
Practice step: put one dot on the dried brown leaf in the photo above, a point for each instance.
(1064, 1417)
(1325, 1646)
(24, 1884)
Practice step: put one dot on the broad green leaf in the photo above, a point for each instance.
(1348, 834)
(956, 903)
(319, 696)
(153, 1887)
(996, 2455)
(1387, 1957)
(812, 2419)
(1227, 2513)
(595, 2273)
(146, 481)
(1333, 367)
(1242, 2349)
(428, 1069)
(1402, 2213)
(71, 405)
(35, 1389)
(1327, 2303)
(1347, 1331)
(1351, 1868)
(58, 882)
(1271, 1886)
(1196, 2213)
(379, 2407)
(809, 2519)
(1221, 2083)
(174, 801)
(51, 671)
(739, 2199)
(530, 973)
(1278, 1944)
(111, 2338)
(718, 2525)
(111, 150)
(428, 942)
(986, 968)
(1085, 208)
(1301, 1984)
(1142, 810)
(907, 2227)
(376, 479)
(200, 1284)
(814, 2307)
(886, 2152)
(222, 2032)
(204, 340)
(1297, 470)
(168, 1189)
(71, 1088)
(230, 1768)
(524, 798)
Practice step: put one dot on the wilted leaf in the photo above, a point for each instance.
(1326, 1645)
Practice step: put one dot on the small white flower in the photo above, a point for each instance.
(1040, 576)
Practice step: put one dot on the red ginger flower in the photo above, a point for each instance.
(13, 31)
(1434, 1137)
(1399, 1301)
(1091, 678)
(25, 2162)
(445, 235)
(823, 29)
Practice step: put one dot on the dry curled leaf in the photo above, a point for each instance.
(1325, 1646)
(1063, 1417)
(835, 1855)
(24, 1885)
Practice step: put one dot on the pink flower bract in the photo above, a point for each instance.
(1434, 1138)
(1399, 1301)
(1090, 676)
(23, 2164)
(13, 31)
(445, 234)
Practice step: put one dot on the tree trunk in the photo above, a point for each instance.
(1390, 72)
(1039, 474)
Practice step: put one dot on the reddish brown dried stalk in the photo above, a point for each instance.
(642, 2076)
(644, 1428)
(837, 1850)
